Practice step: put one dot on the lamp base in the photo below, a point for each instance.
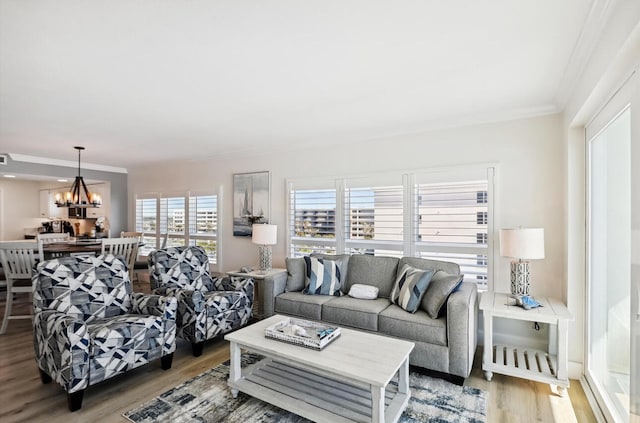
(520, 278)
(265, 258)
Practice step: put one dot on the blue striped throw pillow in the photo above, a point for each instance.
(322, 277)
(410, 286)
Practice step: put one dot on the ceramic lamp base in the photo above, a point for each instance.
(520, 278)
(265, 258)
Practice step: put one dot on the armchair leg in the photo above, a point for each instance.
(74, 400)
(197, 348)
(166, 361)
(44, 377)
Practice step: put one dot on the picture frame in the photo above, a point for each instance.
(251, 201)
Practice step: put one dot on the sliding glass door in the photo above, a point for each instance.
(609, 267)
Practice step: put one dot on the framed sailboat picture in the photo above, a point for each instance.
(251, 201)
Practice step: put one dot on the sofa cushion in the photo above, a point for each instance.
(301, 305)
(441, 286)
(426, 264)
(342, 260)
(353, 312)
(410, 286)
(322, 277)
(295, 274)
(418, 326)
(370, 270)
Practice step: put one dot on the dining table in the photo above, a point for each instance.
(70, 248)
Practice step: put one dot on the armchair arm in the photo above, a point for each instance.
(462, 328)
(61, 345)
(236, 283)
(165, 307)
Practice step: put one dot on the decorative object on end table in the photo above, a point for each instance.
(265, 236)
(303, 332)
(251, 201)
(522, 244)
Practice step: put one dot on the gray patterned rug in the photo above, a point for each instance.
(206, 399)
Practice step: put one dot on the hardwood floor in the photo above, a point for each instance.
(23, 398)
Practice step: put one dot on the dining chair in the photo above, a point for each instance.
(127, 248)
(138, 265)
(49, 238)
(18, 259)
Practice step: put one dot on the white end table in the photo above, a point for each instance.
(549, 366)
(258, 275)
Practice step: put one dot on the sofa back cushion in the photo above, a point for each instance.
(295, 274)
(370, 270)
(426, 264)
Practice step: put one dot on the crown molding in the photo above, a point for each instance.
(584, 47)
(65, 163)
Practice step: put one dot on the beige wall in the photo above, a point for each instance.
(19, 207)
(530, 184)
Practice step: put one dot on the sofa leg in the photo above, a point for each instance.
(74, 400)
(44, 377)
(166, 361)
(197, 348)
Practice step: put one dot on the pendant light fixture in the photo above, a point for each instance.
(79, 196)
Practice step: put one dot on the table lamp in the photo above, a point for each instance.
(265, 235)
(522, 244)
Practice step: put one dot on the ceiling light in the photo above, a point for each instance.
(79, 196)
(9, 176)
(63, 180)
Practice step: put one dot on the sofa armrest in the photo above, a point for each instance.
(272, 287)
(160, 306)
(462, 328)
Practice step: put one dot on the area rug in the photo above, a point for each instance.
(207, 399)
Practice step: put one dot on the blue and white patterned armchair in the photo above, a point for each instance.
(207, 306)
(89, 326)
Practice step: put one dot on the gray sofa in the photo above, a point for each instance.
(446, 343)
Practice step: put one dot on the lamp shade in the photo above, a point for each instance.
(264, 234)
(522, 243)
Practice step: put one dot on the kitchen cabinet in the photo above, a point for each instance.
(48, 207)
(104, 191)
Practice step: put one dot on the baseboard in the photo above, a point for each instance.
(575, 370)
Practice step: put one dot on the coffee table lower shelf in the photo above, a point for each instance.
(318, 397)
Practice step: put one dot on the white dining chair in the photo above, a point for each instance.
(127, 248)
(138, 265)
(49, 238)
(18, 259)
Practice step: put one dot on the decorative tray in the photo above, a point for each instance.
(303, 332)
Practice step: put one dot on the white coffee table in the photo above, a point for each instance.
(347, 381)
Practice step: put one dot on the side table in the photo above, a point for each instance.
(257, 276)
(549, 366)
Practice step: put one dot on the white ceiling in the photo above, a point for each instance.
(145, 81)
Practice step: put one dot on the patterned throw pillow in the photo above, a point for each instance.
(322, 277)
(410, 286)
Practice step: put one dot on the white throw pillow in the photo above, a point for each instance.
(364, 292)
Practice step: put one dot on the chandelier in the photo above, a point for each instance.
(79, 196)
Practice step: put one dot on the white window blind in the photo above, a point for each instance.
(312, 221)
(147, 222)
(374, 220)
(452, 225)
(173, 219)
(203, 223)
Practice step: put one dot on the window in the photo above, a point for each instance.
(203, 223)
(312, 221)
(189, 219)
(443, 215)
(374, 220)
